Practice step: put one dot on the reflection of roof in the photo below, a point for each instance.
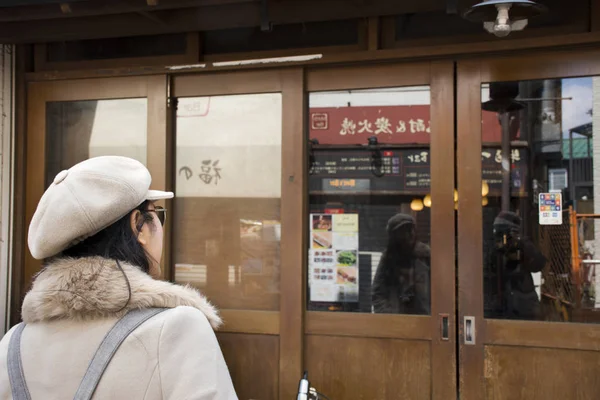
(580, 148)
(585, 129)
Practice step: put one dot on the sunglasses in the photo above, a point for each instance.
(161, 213)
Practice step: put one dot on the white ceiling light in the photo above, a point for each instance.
(501, 17)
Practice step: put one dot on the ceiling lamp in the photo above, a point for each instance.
(501, 17)
(416, 205)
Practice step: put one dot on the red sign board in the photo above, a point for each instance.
(390, 124)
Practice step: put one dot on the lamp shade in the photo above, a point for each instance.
(519, 9)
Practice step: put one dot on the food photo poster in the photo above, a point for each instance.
(333, 258)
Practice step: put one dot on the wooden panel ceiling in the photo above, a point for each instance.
(50, 20)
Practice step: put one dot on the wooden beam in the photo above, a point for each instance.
(292, 11)
(293, 238)
(152, 17)
(193, 19)
(470, 273)
(101, 7)
(517, 47)
(373, 42)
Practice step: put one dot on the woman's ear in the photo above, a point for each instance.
(137, 223)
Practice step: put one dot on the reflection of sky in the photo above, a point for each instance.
(575, 111)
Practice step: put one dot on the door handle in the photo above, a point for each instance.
(469, 330)
(444, 321)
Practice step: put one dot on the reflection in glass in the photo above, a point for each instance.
(78, 130)
(540, 213)
(369, 194)
(228, 198)
(402, 281)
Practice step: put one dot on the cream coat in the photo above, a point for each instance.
(71, 307)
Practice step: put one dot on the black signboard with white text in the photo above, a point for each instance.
(400, 170)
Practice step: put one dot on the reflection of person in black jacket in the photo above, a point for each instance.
(401, 283)
(509, 282)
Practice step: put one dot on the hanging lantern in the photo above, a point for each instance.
(484, 201)
(427, 201)
(485, 189)
(416, 205)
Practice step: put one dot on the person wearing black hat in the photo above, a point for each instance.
(509, 283)
(402, 280)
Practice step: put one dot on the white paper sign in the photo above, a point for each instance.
(550, 208)
(229, 146)
(333, 258)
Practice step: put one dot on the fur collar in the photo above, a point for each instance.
(94, 287)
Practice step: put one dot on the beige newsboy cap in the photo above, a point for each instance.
(87, 198)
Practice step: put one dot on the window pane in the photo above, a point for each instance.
(113, 48)
(228, 198)
(541, 203)
(78, 130)
(304, 35)
(370, 203)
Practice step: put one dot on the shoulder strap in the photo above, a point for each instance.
(108, 348)
(15, 366)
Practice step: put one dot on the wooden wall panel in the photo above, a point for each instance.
(253, 362)
(368, 369)
(443, 297)
(470, 245)
(513, 372)
(294, 186)
(373, 76)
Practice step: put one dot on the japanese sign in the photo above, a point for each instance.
(550, 208)
(390, 124)
(229, 146)
(333, 258)
(405, 170)
(228, 171)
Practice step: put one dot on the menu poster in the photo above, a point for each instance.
(333, 258)
(550, 208)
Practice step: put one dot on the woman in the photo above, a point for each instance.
(100, 236)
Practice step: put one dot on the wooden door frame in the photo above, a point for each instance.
(153, 87)
(439, 76)
(471, 73)
(287, 322)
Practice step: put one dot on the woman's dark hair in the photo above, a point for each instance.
(117, 242)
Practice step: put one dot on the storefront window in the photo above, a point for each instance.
(541, 202)
(228, 198)
(78, 130)
(369, 195)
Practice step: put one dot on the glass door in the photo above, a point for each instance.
(237, 218)
(70, 121)
(380, 271)
(528, 220)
